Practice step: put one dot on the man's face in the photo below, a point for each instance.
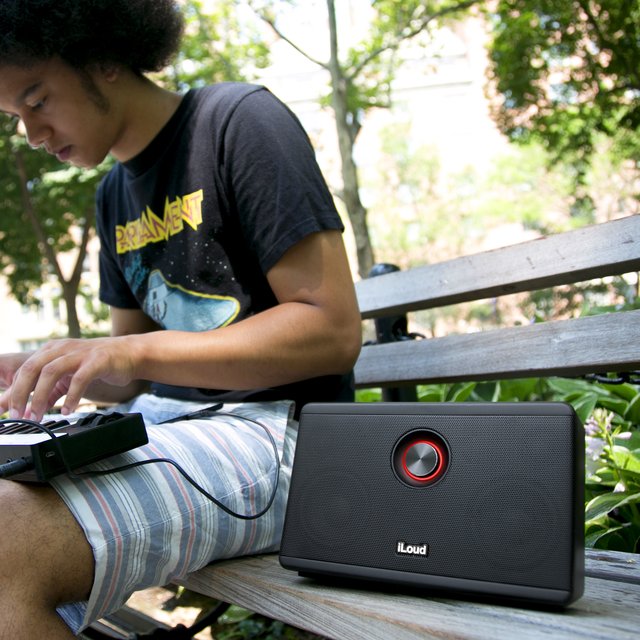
(61, 110)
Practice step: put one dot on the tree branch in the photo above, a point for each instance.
(412, 33)
(89, 219)
(271, 22)
(41, 236)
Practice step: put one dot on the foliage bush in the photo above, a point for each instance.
(610, 414)
(240, 624)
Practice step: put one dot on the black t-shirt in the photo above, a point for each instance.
(191, 225)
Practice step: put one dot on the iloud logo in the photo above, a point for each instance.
(419, 550)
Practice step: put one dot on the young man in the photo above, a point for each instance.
(224, 268)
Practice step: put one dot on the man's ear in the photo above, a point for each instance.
(110, 72)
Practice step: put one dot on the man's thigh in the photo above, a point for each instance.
(147, 524)
(43, 549)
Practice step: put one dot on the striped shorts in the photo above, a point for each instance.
(148, 525)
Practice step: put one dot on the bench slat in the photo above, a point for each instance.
(590, 252)
(609, 608)
(609, 342)
(613, 565)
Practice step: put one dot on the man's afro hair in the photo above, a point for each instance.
(140, 34)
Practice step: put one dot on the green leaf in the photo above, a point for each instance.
(607, 477)
(625, 391)
(592, 539)
(568, 386)
(617, 405)
(633, 411)
(518, 389)
(487, 391)
(430, 395)
(368, 395)
(460, 392)
(607, 502)
(625, 459)
(584, 406)
(431, 392)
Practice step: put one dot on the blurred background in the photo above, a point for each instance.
(443, 127)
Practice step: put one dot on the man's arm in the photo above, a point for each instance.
(123, 322)
(314, 330)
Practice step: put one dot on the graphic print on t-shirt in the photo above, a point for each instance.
(149, 227)
(174, 307)
(158, 255)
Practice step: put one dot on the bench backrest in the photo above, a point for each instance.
(602, 343)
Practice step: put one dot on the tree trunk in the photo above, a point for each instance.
(69, 287)
(69, 295)
(347, 132)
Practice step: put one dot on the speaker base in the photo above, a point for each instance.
(432, 585)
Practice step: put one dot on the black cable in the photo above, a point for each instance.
(14, 467)
(139, 463)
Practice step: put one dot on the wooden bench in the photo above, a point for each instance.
(610, 607)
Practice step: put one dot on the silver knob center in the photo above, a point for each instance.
(421, 459)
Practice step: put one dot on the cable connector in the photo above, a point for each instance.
(14, 467)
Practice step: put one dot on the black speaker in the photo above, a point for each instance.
(467, 498)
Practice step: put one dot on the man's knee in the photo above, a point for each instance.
(44, 550)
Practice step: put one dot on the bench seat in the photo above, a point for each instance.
(609, 609)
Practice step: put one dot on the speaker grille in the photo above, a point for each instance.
(503, 511)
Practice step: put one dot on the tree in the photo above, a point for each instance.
(567, 72)
(361, 78)
(218, 46)
(47, 211)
